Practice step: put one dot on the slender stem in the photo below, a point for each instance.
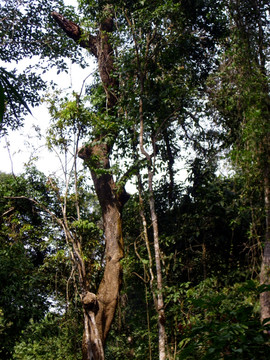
(148, 323)
(160, 302)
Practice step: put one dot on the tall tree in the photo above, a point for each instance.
(240, 91)
(28, 32)
(133, 78)
(100, 309)
(159, 71)
(23, 294)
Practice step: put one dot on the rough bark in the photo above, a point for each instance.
(112, 202)
(98, 317)
(92, 346)
(265, 266)
(99, 46)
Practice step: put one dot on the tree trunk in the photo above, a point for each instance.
(265, 266)
(111, 202)
(159, 298)
(97, 322)
(170, 166)
(92, 347)
(160, 302)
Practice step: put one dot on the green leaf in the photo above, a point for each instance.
(2, 102)
(10, 89)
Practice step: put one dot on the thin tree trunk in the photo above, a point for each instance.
(150, 266)
(170, 166)
(159, 302)
(265, 266)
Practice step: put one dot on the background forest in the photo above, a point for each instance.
(177, 110)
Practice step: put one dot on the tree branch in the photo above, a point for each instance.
(74, 32)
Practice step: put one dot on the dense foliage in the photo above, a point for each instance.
(29, 37)
(190, 89)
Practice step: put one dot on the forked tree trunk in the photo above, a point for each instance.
(99, 310)
(111, 202)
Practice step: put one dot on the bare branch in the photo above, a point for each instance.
(41, 206)
(74, 32)
(8, 211)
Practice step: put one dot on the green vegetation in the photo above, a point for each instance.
(180, 268)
